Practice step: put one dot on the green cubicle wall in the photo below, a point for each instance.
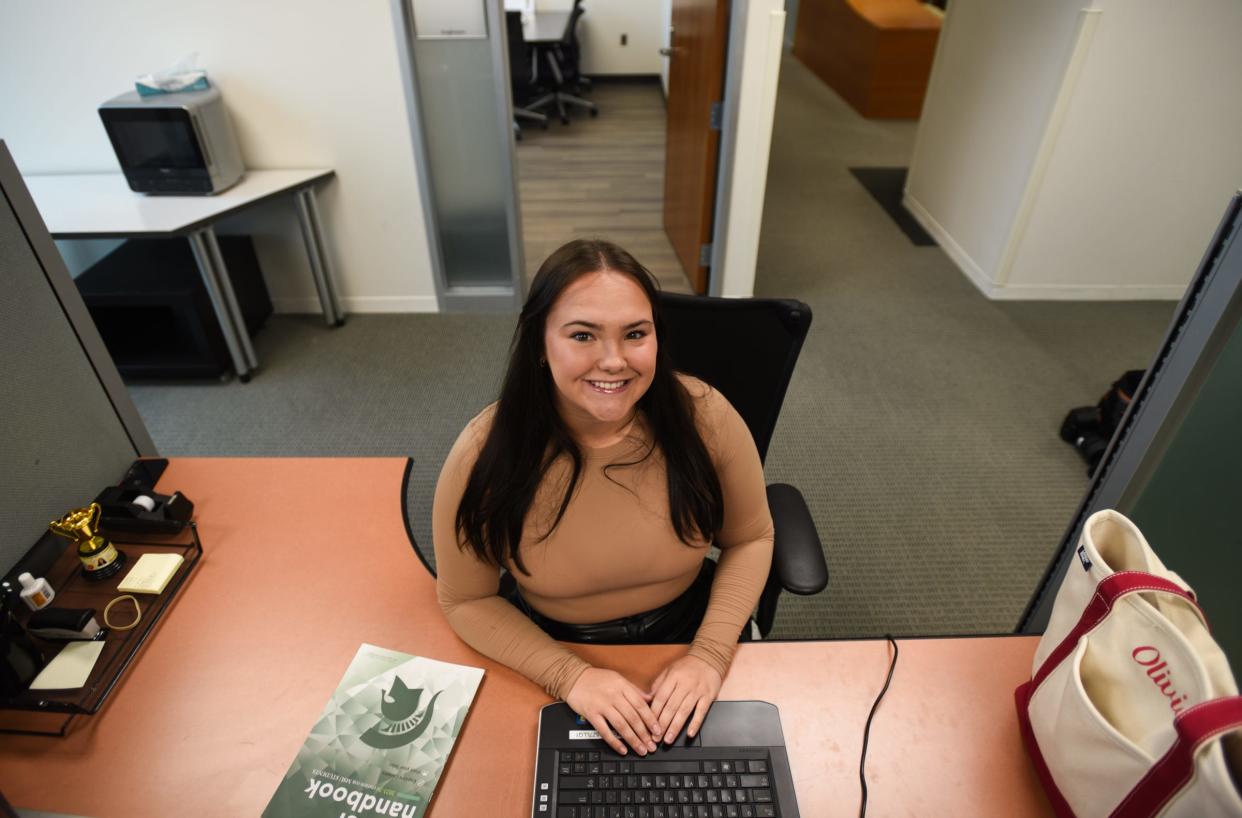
(1190, 508)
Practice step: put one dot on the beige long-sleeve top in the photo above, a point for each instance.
(614, 553)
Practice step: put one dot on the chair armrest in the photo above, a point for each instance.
(797, 555)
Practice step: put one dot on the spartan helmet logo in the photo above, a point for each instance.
(402, 721)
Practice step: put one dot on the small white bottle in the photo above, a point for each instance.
(36, 593)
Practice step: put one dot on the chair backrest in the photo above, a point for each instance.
(571, 31)
(519, 51)
(744, 347)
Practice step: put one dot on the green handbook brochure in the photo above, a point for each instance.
(382, 741)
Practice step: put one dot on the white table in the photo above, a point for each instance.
(101, 205)
(539, 26)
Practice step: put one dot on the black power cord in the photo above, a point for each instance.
(862, 763)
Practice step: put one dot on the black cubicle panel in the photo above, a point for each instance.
(1175, 465)
(68, 428)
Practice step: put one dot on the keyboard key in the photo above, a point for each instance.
(761, 796)
(748, 811)
(608, 767)
(740, 796)
(726, 766)
(710, 767)
(580, 756)
(679, 767)
(765, 811)
(566, 812)
(575, 782)
(759, 766)
(753, 781)
(592, 756)
(575, 797)
(717, 811)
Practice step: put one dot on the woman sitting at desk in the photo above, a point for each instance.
(599, 479)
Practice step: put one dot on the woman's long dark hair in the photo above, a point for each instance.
(528, 435)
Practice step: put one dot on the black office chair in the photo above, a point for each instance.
(521, 74)
(569, 55)
(565, 73)
(746, 348)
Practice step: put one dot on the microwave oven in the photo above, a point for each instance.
(179, 143)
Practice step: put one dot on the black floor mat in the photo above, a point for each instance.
(885, 186)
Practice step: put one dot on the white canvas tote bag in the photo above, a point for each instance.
(1131, 709)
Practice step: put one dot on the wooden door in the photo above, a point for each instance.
(695, 83)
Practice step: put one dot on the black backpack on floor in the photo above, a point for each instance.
(1089, 428)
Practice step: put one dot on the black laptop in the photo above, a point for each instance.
(736, 767)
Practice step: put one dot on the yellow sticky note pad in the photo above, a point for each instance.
(150, 574)
(71, 667)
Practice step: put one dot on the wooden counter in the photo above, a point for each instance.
(877, 54)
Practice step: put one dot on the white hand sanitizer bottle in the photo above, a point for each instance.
(36, 593)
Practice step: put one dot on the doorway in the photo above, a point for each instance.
(641, 169)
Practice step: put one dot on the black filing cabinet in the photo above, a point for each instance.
(153, 311)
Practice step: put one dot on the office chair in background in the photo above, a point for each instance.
(521, 74)
(746, 348)
(562, 60)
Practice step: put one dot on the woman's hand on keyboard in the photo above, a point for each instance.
(610, 702)
(687, 686)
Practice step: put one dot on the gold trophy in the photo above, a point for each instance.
(99, 557)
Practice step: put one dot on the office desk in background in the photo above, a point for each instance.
(540, 26)
(304, 559)
(101, 205)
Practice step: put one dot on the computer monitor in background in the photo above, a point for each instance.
(1173, 466)
(69, 427)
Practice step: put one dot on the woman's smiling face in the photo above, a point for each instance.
(600, 345)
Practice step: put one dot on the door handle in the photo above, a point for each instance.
(668, 52)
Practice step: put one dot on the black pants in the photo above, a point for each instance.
(675, 622)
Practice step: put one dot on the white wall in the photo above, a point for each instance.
(1080, 153)
(308, 83)
(1146, 158)
(994, 81)
(600, 30)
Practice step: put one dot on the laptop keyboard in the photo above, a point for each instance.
(732, 783)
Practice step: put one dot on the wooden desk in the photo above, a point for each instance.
(306, 558)
(101, 205)
(877, 54)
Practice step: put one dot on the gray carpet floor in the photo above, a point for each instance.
(920, 424)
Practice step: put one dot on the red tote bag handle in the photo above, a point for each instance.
(1174, 770)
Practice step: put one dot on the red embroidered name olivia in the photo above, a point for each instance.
(1158, 672)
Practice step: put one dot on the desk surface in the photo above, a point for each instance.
(306, 558)
(101, 205)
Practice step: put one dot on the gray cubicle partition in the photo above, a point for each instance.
(69, 427)
(454, 65)
(1175, 465)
